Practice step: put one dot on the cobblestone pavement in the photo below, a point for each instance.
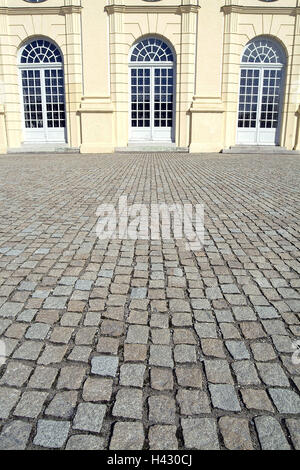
(141, 344)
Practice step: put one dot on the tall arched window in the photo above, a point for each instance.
(42, 76)
(261, 92)
(152, 91)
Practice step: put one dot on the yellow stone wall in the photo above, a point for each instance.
(96, 36)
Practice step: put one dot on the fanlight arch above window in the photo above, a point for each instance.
(152, 50)
(40, 51)
(263, 51)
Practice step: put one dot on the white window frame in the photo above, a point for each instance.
(42, 66)
(152, 65)
(262, 66)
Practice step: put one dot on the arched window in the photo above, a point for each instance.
(42, 75)
(152, 86)
(261, 92)
(263, 51)
(152, 50)
(40, 51)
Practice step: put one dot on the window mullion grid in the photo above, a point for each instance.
(44, 102)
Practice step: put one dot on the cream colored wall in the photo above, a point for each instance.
(96, 36)
(96, 109)
(58, 20)
(177, 23)
(244, 20)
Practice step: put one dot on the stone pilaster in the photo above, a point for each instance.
(186, 69)
(231, 74)
(4, 43)
(73, 71)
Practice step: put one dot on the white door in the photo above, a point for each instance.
(43, 96)
(151, 92)
(260, 100)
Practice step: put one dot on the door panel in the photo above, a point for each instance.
(152, 104)
(32, 105)
(140, 104)
(55, 105)
(43, 105)
(270, 104)
(163, 104)
(259, 106)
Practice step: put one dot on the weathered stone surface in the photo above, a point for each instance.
(62, 405)
(206, 330)
(224, 397)
(8, 399)
(16, 374)
(161, 355)
(257, 399)
(84, 442)
(61, 334)
(161, 379)
(294, 429)
(270, 434)
(10, 309)
(137, 334)
(286, 401)
(29, 350)
(162, 409)
(237, 349)
(37, 331)
(192, 402)
(43, 377)
(200, 433)
(263, 351)
(105, 365)
(245, 373)
(80, 354)
(89, 417)
(127, 436)
(51, 434)
(213, 347)
(132, 375)
(185, 353)
(30, 404)
(135, 352)
(108, 345)
(85, 335)
(71, 377)
(52, 354)
(161, 336)
(129, 403)
(218, 371)
(15, 435)
(97, 389)
(235, 433)
(139, 293)
(189, 377)
(184, 336)
(163, 437)
(272, 374)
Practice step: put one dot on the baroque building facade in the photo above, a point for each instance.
(100, 75)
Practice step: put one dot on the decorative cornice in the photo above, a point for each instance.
(65, 10)
(189, 8)
(175, 9)
(259, 10)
